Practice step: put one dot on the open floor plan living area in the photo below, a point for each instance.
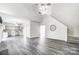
(39, 28)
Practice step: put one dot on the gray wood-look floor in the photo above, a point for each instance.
(37, 46)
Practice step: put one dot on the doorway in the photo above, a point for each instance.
(42, 32)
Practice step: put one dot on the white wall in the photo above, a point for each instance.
(34, 29)
(67, 13)
(28, 29)
(61, 30)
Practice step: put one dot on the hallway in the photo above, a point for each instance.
(36, 46)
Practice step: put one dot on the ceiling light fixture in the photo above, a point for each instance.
(43, 8)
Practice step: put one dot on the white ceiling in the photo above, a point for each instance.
(64, 12)
(67, 13)
(21, 10)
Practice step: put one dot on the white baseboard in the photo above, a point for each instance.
(32, 37)
(74, 36)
